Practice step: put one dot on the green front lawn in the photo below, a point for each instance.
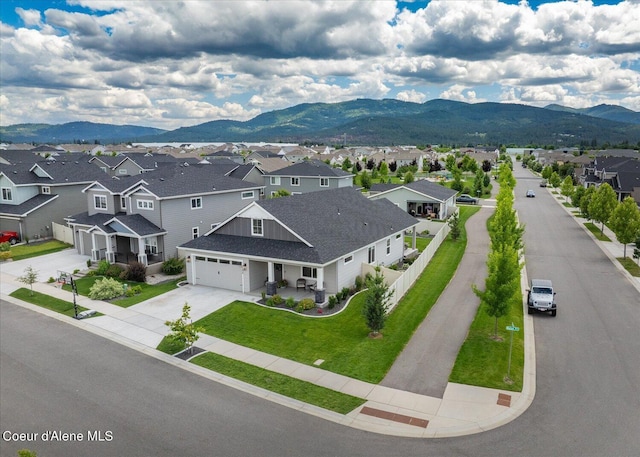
(47, 301)
(279, 383)
(148, 291)
(341, 340)
(25, 251)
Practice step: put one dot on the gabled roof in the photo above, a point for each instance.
(27, 207)
(334, 222)
(132, 224)
(422, 186)
(310, 168)
(59, 172)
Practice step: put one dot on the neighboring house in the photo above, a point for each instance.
(146, 217)
(35, 194)
(621, 173)
(420, 198)
(306, 176)
(320, 237)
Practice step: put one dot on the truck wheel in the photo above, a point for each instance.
(13, 241)
(553, 313)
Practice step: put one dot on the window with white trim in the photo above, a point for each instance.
(295, 181)
(7, 194)
(309, 272)
(195, 232)
(372, 254)
(145, 204)
(100, 201)
(388, 246)
(196, 203)
(256, 227)
(46, 190)
(123, 202)
(348, 259)
(151, 245)
(324, 182)
(122, 171)
(247, 194)
(274, 180)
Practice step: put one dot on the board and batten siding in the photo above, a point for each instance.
(241, 226)
(178, 219)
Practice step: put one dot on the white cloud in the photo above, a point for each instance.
(461, 94)
(411, 96)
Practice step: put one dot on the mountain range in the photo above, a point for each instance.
(374, 122)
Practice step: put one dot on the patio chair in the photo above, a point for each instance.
(301, 283)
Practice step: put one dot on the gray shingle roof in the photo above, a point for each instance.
(26, 207)
(335, 222)
(136, 222)
(63, 171)
(422, 186)
(310, 168)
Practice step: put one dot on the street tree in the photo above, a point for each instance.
(625, 222)
(478, 183)
(376, 302)
(409, 178)
(576, 196)
(183, 329)
(30, 277)
(501, 290)
(566, 188)
(602, 204)
(585, 201)
(365, 180)
(554, 179)
(280, 193)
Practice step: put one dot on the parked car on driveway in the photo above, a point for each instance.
(11, 237)
(466, 198)
(531, 193)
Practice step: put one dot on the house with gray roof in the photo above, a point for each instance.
(145, 217)
(320, 238)
(420, 198)
(35, 192)
(306, 176)
(622, 173)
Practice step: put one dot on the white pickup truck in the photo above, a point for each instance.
(541, 297)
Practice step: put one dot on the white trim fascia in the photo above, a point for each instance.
(395, 189)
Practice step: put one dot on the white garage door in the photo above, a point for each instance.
(221, 273)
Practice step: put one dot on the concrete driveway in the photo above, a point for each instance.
(47, 266)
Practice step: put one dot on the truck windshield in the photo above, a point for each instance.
(542, 290)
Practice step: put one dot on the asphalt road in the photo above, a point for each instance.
(58, 377)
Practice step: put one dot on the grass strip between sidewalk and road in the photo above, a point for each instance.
(279, 383)
(47, 301)
(593, 228)
(630, 265)
(341, 340)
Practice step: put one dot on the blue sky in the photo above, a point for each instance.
(171, 64)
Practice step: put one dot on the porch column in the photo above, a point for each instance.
(95, 253)
(111, 256)
(142, 255)
(272, 287)
(413, 238)
(320, 295)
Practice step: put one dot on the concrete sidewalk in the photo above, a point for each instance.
(462, 409)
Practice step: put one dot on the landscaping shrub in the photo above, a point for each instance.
(88, 263)
(91, 273)
(269, 302)
(333, 301)
(359, 283)
(129, 292)
(137, 289)
(345, 293)
(51, 279)
(290, 302)
(5, 247)
(277, 299)
(136, 271)
(113, 271)
(106, 289)
(173, 266)
(103, 266)
(5, 255)
(305, 304)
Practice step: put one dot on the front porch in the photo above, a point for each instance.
(286, 292)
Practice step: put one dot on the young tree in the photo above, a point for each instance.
(365, 180)
(502, 284)
(409, 178)
(29, 277)
(554, 179)
(566, 188)
(454, 224)
(602, 204)
(625, 222)
(183, 329)
(375, 303)
(576, 196)
(585, 201)
(486, 166)
(384, 170)
(478, 183)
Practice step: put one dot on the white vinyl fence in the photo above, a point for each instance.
(401, 281)
(62, 233)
